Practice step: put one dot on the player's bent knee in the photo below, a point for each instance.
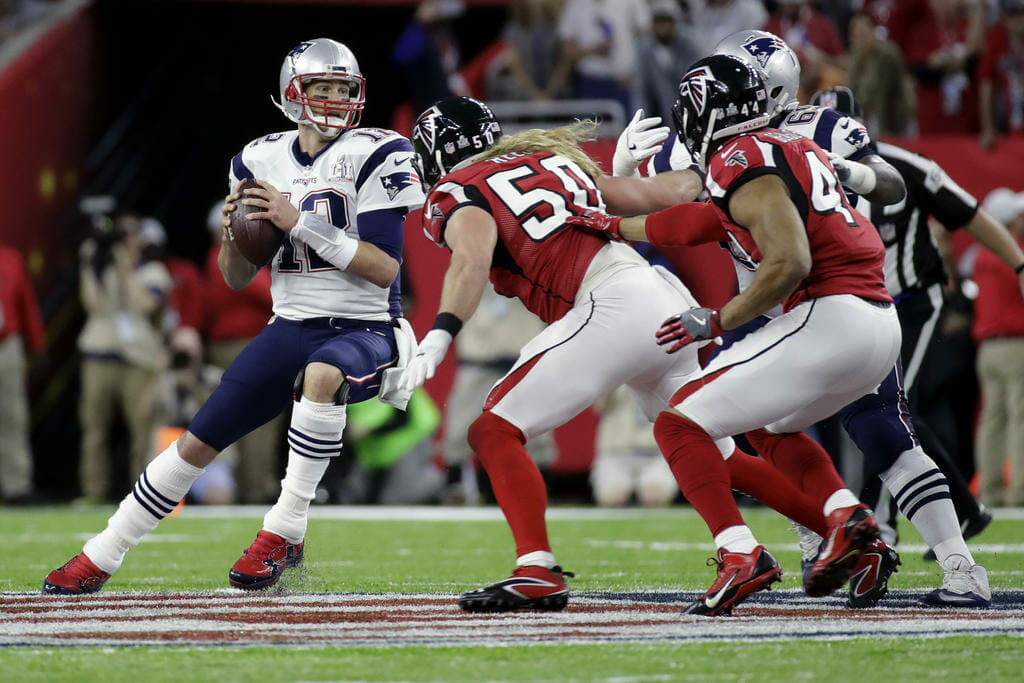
(489, 428)
(321, 382)
(194, 451)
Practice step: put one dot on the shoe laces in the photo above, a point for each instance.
(809, 541)
(957, 577)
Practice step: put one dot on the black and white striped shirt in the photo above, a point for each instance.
(912, 259)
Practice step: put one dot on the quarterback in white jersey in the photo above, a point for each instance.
(340, 193)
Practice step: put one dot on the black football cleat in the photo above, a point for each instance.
(851, 531)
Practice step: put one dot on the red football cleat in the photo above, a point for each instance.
(262, 563)
(739, 575)
(528, 588)
(851, 531)
(79, 575)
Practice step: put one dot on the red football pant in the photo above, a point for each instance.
(699, 469)
(758, 478)
(803, 461)
(515, 479)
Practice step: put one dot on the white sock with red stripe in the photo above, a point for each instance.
(158, 490)
(314, 437)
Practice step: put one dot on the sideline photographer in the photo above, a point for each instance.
(123, 351)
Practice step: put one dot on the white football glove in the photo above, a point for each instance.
(424, 364)
(640, 140)
(854, 176)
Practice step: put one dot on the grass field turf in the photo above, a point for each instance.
(631, 550)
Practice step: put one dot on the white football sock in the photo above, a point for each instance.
(843, 498)
(921, 491)
(538, 558)
(158, 490)
(736, 539)
(314, 437)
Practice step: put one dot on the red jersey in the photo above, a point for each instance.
(846, 252)
(187, 292)
(999, 308)
(230, 314)
(19, 309)
(536, 258)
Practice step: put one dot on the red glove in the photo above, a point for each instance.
(598, 222)
(696, 324)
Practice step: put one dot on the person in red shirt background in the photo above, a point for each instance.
(1001, 75)
(941, 41)
(21, 329)
(999, 330)
(232, 318)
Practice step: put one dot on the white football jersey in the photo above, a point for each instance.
(362, 170)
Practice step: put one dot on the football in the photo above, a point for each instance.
(257, 239)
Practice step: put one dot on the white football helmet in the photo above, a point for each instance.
(773, 60)
(321, 59)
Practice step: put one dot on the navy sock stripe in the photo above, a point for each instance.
(924, 501)
(145, 490)
(296, 432)
(144, 506)
(142, 494)
(152, 489)
(915, 480)
(313, 453)
(920, 490)
(303, 449)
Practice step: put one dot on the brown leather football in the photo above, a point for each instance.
(257, 239)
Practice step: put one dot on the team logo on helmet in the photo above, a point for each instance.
(425, 127)
(695, 86)
(762, 48)
(299, 49)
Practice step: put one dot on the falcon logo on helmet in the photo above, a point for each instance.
(695, 86)
(762, 48)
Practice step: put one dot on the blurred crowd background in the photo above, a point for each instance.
(118, 121)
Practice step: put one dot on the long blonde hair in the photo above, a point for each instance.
(563, 141)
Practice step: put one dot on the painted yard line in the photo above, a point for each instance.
(410, 513)
(673, 546)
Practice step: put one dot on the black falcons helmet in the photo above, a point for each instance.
(451, 131)
(841, 99)
(719, 97)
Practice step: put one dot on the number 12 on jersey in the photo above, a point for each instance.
(299, 257)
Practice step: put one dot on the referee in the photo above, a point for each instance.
(915, 275)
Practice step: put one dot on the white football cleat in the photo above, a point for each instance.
(963, 585)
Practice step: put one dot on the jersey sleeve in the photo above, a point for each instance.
(842, 135)
(445, 200)
(939, 195)
(239, 170)
(387, 178)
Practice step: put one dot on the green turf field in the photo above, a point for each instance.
(631, 551)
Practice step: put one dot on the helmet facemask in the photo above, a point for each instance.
(328, 117)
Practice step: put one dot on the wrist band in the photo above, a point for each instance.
(1018, 269)
(449, 322)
